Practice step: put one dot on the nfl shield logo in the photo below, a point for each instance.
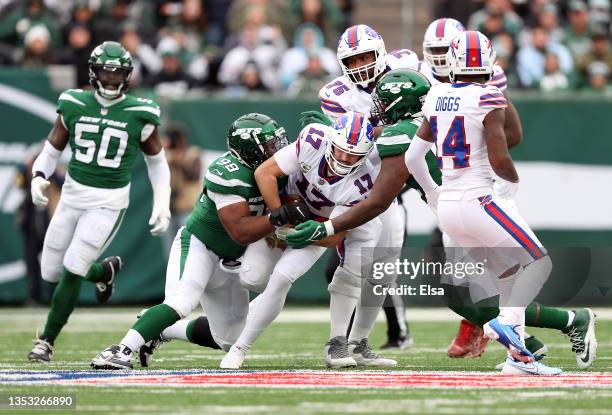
(103, 111)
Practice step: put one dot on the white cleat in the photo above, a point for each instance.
(365, 356)
(337, 355)
(233, 359)
(113, 357)
(514, 367)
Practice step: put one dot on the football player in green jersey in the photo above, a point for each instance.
(105, 128)
(398, 99)
(205, 255)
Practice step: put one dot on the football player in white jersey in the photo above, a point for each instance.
(465, 120)
(330, 169)
(469, 341)
(363, 58)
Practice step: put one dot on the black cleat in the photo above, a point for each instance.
(104, 289)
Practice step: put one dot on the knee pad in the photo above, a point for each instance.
(184, 300)
(51, 266)
(345, 282)
(252, 279)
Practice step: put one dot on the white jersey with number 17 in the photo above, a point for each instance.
(455, 113)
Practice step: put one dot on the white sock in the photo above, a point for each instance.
(177, 331)
(133, 340)
(365, 317)
(570, 318)
(269, 305)
(341, 307)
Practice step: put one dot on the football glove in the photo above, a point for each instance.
(311, 117)
(505, 189)
(291, 213)
(160, 216)
(38, 186)
(307, 233)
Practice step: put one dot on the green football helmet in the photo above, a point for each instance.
(399, 95)
(253, 138)
(110, 68)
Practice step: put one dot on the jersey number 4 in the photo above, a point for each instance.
(87, 147)
(454, 143)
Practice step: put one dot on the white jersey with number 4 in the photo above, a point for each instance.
(341, 95)
(456, 113)
(310, 176)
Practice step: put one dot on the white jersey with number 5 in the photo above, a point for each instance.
(456, 113)
(310, 176)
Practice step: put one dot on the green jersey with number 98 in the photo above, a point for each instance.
(105, 135)
(227, 176)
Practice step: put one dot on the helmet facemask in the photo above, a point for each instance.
(365, 74)
(339, 168)
(437, 59)
(109, 80)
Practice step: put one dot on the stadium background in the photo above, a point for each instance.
(564, 160)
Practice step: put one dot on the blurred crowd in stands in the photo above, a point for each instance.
(288, 46)
(544, 44)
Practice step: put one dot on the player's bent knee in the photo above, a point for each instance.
(253, 280)
(345, 282)
(183, 305)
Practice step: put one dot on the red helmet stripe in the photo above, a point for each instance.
(440, 27)
(352, 37)
(355, 128)
(474, 60)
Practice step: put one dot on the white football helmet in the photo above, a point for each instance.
(471, 53)
(357, 40)
(353, 134)
(438, 37)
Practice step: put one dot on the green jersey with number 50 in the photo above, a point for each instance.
(105, 138)
(227, 176)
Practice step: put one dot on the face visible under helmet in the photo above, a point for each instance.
(353, 134)
(357, 40)
(436, 42)
(110, 69)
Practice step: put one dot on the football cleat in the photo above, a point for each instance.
(582, 335)
(113, 357)
(514, 367)
(363, 354)
(41, 352)
(145, 353)
(104, 289)
(535, 346)
(470, 341)
(233, 359)
(337, 354)
(506, 335)
(401, 343)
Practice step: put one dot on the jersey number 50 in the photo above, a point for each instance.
(454, 143)
(87, 146)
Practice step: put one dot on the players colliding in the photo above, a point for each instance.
(329, 167)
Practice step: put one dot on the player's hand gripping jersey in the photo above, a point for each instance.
(455, 113)
(310, 176)
(104, 140)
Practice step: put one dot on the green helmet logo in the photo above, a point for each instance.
(253, 138)
(399, 95)
(110, 68)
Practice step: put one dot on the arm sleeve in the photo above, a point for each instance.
(46, 160)
(158, 169)
(223, 200)
(287, 159)
(417, 166)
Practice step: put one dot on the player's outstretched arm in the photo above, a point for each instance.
(159, 176)
(499, 158)
(241, 226)
(512, 126)
(44, 165)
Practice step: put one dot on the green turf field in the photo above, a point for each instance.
(293, 345)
